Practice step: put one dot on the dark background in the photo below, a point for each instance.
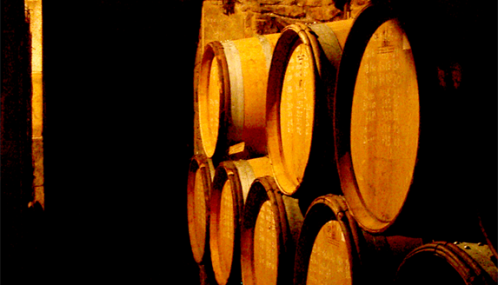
(119, 97)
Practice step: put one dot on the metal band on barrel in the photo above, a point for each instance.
(246, 176)
(329, 43)
(267, 50)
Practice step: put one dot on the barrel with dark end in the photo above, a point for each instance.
(488, 216)
(270, 228)
(488, 226)
(200, 176)
(302, 74)
(448, 263)
(332, 249)
(395, 128)
(231, 186)
(231, 97)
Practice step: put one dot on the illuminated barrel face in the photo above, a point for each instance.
(329, 260)
(269, 232)
(226, 230)
(303, 74)
(385, 122)
(197, 199)
(209, 109)
(266, 246)
(197, 216)
(296, 116)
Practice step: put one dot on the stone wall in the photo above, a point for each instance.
(230, 20)
(222, 20)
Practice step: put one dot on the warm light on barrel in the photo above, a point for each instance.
(329, 260)
(385, 122)
(231, 184)
(199, 218)
(34, 10)
(270, 228)
(231, 98)
(198, 194)
(265, 246)
(333, 250)
(209, 110)
(301, 91)
(296, 113)
(226, 229)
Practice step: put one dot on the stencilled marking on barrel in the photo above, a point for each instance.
(297, 111)
(211, 120)
(226, 230)
(385, 121)
(265, 246)
(329, 260)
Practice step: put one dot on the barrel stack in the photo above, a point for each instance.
(230, 132)
(326, 155)
(231, 185)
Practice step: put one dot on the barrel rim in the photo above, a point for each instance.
(364, 26)
(262, 190)
(223, 172)
(204, 164)
(213, 51)
(464, 265)
(290, 38)
(323, 209)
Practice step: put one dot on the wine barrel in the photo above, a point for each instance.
(231, 185)
(270, 228)
(395, 120)
(232, 94)
(302, 73)
(448, 263)
(200, 176)
(332, 249)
